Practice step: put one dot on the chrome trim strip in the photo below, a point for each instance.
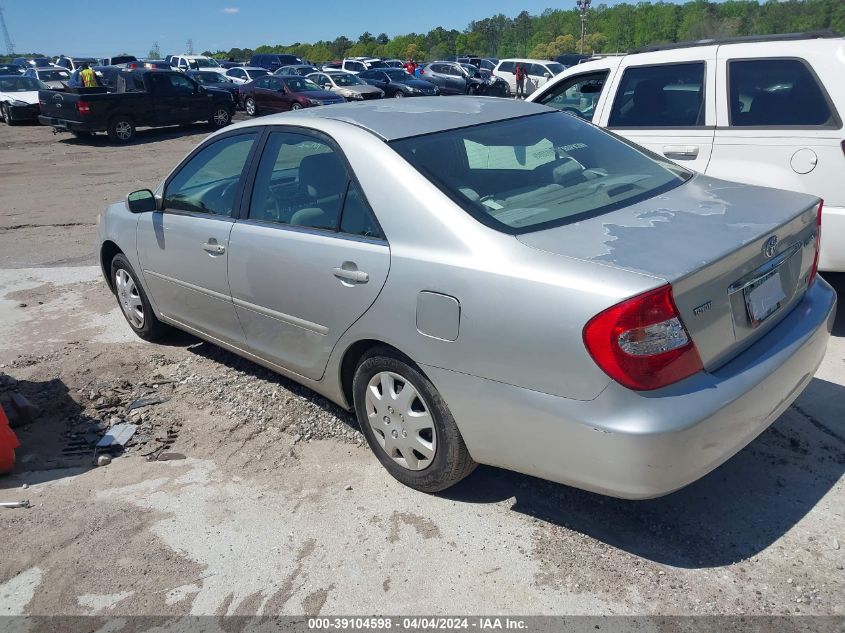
(764, 270)
(281, 316)
(185, 284)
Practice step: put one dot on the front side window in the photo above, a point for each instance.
(577, 95)
(669, 95)
(301, 84)
(208, 183)
(534, 172)
(264, 82)
(770, 92)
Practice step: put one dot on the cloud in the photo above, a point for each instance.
(232, 10)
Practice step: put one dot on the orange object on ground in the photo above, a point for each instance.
(8, 444)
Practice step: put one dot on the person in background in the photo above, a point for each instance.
(411, 67)
(519, 74)
(88, 77)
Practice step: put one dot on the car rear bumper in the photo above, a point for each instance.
(70, 126)
(24, 113)
(639, 445)
(832, 257)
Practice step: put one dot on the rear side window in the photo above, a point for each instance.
(770, 92)
(669, 95)
(506, 67)
(577, 95)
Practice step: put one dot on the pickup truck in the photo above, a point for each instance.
(141, 98)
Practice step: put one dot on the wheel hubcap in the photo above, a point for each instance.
(400, 421)
(221, 117)
(250, 107)
(123, 130)
(128, 298)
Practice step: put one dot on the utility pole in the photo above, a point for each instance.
(10, 48)
(583, 7)
(189, 45)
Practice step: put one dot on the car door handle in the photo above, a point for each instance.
(214, 248)
(352, 276)
(681, 152)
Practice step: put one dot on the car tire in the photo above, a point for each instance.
(221, 117)
(249, 106)
(7, 117)
(121, 129)
(133, 301)
(444, 459)
(296, 106)
(398, 94)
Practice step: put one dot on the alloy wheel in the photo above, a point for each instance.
(221, 117)
(249, 106)
(399, 94)
(123, 130)
(129, 298)
(296, 106)
(401, 421)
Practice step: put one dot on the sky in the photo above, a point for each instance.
(97, 29)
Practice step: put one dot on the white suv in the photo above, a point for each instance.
(196, 62)
(538, 72)
(760, 110)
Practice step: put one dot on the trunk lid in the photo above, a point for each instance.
(738, 257)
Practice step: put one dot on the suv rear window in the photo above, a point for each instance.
(669, 95)
(768, 92)
(539, 171)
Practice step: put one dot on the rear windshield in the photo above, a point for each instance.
(20, 84)
(123, 59)
(535, 172)
(53, 75)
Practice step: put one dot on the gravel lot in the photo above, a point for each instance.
(244, 493)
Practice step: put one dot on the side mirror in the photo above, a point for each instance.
(327, 86)
(547, 75)
(141, 201)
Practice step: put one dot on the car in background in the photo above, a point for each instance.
(571, 59)
(453, 78)
(330, 66)
(394, 63)
(772, 115)
(273, 61)
(32, 62)
(119, 60)
(211, 79)
(538, 72)
(196, 62)
(356, 65)
(11, 69)
(19, 98)
(231, 64)
(54, 78)
(350, 87)
(303, 70)
(241, 75)
(73, 63)
(279, 93)
(398, 83)
(157, 64)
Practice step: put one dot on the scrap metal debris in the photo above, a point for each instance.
(15, 504)
(118, 435)
(146, 401)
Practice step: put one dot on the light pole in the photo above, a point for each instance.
(583, 6)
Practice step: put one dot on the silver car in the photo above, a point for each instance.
(487, 281)
(347, 85)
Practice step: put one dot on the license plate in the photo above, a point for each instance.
(764, 297)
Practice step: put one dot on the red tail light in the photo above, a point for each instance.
(815, 267)
(641, 343)
(83, 107)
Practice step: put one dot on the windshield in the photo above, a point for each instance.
(376, 64)
(212, 78)
(257, 73)
(20, 84)
(124, 59)
(346, 80)
(472, 71)
(399, 75)
(555, 68)
(53, 75)
(301, 84)
(538, 171)
(204, 63)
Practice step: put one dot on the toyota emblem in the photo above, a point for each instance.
(770, 247)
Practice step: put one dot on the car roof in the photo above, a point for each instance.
(393, 119)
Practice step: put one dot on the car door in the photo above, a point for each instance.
(668, 107)
(456, 79)
(279, 96)
(307, 259)
(184, 249)
(260, 91)
(505, 70)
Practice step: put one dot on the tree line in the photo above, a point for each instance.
(620, 28)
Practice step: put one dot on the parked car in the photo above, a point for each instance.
(19, 98)
(347, 85)
(273, 62)
(394, 63)
(303, 70)
(119, 60)
(196, 62)
(53, 78)
(211, 79)
(157, 64)
(398, 83)
(11, 69)
(564, 348)
(243, 75)
(144, 98)
(73, 63)
(32, 62)
(230, 64)
(356, 65)
(538, 72)
(277, 93)
(571, 59)
(458, 79)
(771, 115)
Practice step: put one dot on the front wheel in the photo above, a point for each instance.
(221, 118)
(121, 129)
(249, 106)
(7, 117)
(398, 94)
(133, 301)
(296, 106)
(407, 423)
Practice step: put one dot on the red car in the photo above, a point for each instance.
(280, 93)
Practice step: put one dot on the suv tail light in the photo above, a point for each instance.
(642, 343)
(815, 268)
(83, 107)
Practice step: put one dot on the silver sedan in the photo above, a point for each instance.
(486, 281)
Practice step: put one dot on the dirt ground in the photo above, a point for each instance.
(246, 494)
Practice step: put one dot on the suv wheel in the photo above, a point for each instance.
(121, 129)
(407, 423)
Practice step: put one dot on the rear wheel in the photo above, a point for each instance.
(407, 423)
(133, 301)
(221, 118)
(249, 106)
(296, 106)
(121, 129)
